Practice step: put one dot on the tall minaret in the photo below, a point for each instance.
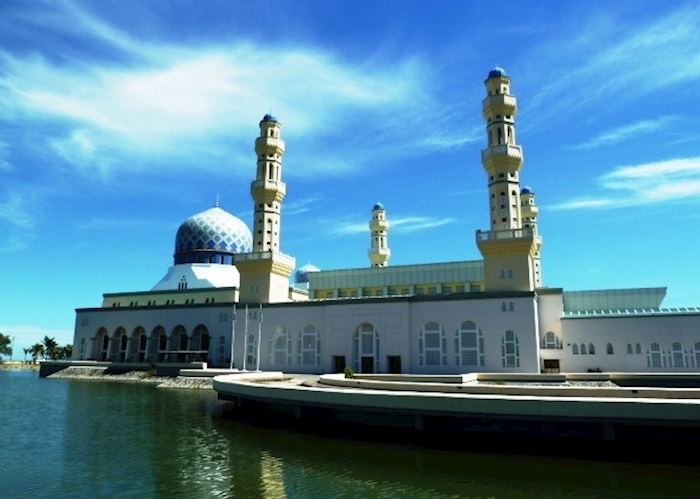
(265, 271)
(508, 248)
(267, 189)
(379, 252)
(529, 211)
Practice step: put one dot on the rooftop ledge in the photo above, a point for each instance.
(498, 235)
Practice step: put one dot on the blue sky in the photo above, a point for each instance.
(119, 119)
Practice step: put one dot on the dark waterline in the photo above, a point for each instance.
(71, 438)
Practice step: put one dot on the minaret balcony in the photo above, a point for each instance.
(502, 155)
(379, 225)
(268, 188)
(499, 105)
(379, 251)
(499, 235)
(269, 145)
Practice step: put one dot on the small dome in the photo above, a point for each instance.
(526, 190)
(211, 236)
(269, 117)
(497, 72)
(378, 206)
(302, 275)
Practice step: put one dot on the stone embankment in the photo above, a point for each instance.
(100, 374)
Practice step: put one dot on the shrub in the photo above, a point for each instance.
(349, 373)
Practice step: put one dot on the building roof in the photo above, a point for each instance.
(396, 275)
(613, 299)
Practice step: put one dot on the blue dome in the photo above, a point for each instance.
(269, 117)
(378, 206)
(212, 236)
(497, 72)
(526, 190)
(302, 275)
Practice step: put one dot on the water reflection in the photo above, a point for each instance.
(97, 439)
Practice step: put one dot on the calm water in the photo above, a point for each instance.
(72, 438)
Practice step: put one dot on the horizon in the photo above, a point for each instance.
(119, 120)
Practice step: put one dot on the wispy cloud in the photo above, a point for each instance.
(627, 132)
(5, 165)
(13, 210)
(109, 224)
(643, 184)
(299, 206)
(609, 57)
(397, 225)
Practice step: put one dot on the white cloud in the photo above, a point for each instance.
(396, 225)
(627, 132)
(648, 183)
(13, 210)
(299, 206)
(5, 165)
(616, 61)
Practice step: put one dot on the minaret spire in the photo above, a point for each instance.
(267, 189)
(510, 250)
(379, 252)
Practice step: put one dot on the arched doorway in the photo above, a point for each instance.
(179, 344)
(366, 348)
(120, 343)
(199, 344)
(137, 345)
(101, 346)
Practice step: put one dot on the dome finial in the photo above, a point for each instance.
(216, 202)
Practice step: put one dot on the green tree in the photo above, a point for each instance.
(64, 352)
(50, 346)
(37, 350)
(5, 348)
(27, 351)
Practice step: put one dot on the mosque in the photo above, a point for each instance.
(227, 298)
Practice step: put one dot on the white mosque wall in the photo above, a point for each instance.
(642, 333)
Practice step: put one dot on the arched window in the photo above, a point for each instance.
(697, 354)
(654, 359)
(609, 349)
(510, 350)
(432, 345)
(629, 349)
(591, 349)
(550, 340)
(678, 359)
(469, 345)
(574, 349)
(366, 340)
(638, 349)
(251, 354)
(281, 351)
(583, 349)
(309, 347)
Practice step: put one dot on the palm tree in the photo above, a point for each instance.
(26, 351)
(51, 345)
(37, 350)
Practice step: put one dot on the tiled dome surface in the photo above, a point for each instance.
(214, 229)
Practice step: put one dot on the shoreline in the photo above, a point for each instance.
(144, 377)
(18, 365)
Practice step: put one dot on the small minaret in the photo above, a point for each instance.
(508, 248)
(529, 211)
(379, 252)
(267, 189)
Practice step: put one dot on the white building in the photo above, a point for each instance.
(453, 317)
